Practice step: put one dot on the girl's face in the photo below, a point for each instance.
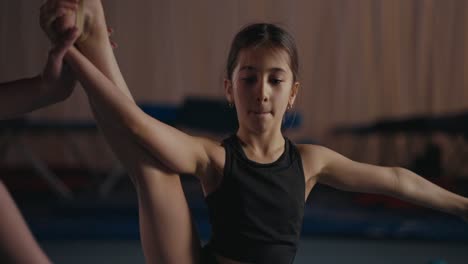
(261, 88)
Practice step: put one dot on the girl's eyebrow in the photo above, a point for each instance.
(251, 68)
(247, 68)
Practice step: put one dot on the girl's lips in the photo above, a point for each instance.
(260, 113)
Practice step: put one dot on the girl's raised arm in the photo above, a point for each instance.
(166, 229)
(178, 151)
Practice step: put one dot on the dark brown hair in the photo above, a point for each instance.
(263, 35)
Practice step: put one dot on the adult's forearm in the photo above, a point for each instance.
(25, 95)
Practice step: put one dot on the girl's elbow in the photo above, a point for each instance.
(133, 122)
(135, 129)
(405, 183)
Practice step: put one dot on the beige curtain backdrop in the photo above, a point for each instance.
(360, 59)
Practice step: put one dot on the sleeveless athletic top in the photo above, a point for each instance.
(256, 213)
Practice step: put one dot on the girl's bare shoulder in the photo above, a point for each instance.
(313, 158)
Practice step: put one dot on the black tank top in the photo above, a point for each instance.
(256, 213)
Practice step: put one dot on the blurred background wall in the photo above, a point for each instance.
(360, 60)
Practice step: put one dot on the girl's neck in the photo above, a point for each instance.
(262, 144)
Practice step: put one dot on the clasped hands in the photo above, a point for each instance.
(69, 22)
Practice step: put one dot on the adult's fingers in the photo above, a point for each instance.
(65, 41)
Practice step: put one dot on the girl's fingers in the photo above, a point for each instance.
(62, 12)
(53, 9)
(63, 5)
(68, 4)
(50, 5)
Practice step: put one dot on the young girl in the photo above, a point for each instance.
(256, 181)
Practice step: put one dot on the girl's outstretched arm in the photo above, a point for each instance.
(342, 173)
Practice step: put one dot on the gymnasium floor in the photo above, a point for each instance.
(323, 251)
(338, 227)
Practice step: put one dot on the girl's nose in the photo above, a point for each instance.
(262, 91)
(262, 99)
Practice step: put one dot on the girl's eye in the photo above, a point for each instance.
(276, 81)
(249, 80)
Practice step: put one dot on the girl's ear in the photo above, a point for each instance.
(294, 91)
(228, 91)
